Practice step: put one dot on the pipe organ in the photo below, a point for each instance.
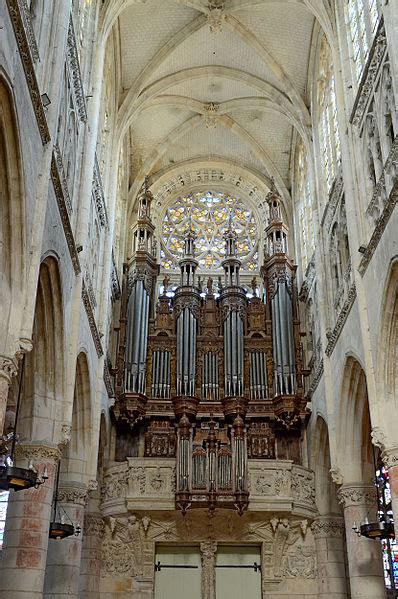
(212, 377)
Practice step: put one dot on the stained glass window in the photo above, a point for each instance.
(3, 512)
(209, 213)
(304, 206)
(362, 19)
(389, 546)
(327, 116)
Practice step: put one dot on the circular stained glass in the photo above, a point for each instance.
(209, 214)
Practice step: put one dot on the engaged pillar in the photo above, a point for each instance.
(24, 554)
(90, 570)
(63, 560)
(364, 555)
(8, 369)
(329, 540)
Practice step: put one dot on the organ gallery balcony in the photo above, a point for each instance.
(149, 484)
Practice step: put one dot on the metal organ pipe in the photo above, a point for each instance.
(292, 361)
(234, 354)
(137, 334)
(186, 352)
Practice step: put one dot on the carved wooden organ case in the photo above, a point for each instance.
(209, 377)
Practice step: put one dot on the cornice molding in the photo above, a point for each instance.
(29, 68)
(316, 378)
(30, 34)
(63, 211)
(335, 195)
(99, 196)
(375, 60)
(91, 320)
(379, 230)
(74, 69)
(108, 379)
(341, 319)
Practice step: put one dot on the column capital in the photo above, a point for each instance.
(208, 549)
(326, 526)
(8, 368)
(75, 493)
(356, 494)
(94, 524)
(38, 451)
(390, 457)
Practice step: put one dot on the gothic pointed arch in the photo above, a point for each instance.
(354, 428)
(388, 345)
(325, 488)
(12, 213)
(44, 369)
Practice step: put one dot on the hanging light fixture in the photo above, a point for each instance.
(11, 476)
(383, 528)
(59, 529)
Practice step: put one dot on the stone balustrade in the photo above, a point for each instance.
(145, 484)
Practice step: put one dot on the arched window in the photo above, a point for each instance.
(327, 116)
(3, 512)
(209, 213)
(362, 18)
(304, 206)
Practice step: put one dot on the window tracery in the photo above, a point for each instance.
(362, 17)
(209, 214)
(327, 116)
(304, 206)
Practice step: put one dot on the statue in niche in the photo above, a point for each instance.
(219, 284)
(200, 284)
(254, 285)
(210, 286)
(166, 283)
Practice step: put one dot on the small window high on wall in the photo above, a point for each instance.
(3, 511)
(329, 136)
(362, 18)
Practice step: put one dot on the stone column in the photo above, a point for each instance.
(63, 558)
(90, 569)
(24, 554)
(364, 555)
(329, 541)
(8, 369)
(208, 553)
(390, 459)
(143, 587)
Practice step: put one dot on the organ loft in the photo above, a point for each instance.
(207, 375)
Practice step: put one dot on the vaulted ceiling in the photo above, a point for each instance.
(218, 87)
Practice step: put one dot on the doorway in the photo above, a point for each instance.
(238, 572)
(178, 573)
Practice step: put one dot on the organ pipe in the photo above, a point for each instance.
(137, 335)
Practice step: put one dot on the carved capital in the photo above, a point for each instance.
(336, 476)
(378, 437)
(73, 493)
(390, 457)
(94, 525)
(357, 495)
(8, 368)
(328, 527)
(25, 346)
(38, 452)
(66, 434)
